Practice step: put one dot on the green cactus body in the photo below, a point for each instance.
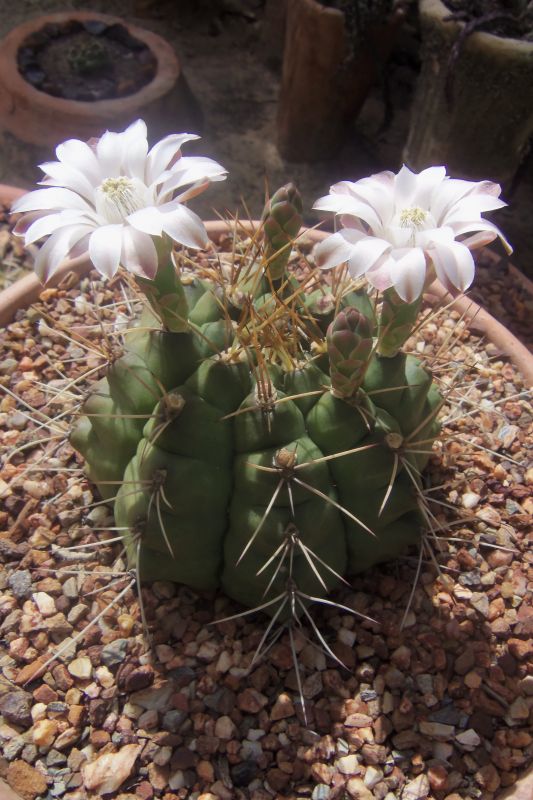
(255, 466)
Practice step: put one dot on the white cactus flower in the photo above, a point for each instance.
(396, 226)
(110, 197)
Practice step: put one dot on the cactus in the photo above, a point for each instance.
(266, 445)
(89, 57)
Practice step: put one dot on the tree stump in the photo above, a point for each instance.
(323, 89)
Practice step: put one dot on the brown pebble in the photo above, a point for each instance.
(521, 648)
(144, 791)
(282, 708)
(99, 739)
(25, 780)
(76, 715)
(62, 677)
(30, 672)
(438, 778)
(277, 779)
(465, 662)
(44, 694)
(205, 771)
(251, 701)
(140, 678)
(488, 777)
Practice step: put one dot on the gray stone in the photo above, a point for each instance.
(480, 602)
(448, 715)
(114, 652)
(173, 720)
(223, 701)
(13, 748)
(154, 698)
(437, 730)
(20, 583)
(15, 707)
(29, 753)
(54, 758)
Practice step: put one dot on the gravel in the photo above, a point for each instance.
(441, 707)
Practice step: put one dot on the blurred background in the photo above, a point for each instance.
(260, 112)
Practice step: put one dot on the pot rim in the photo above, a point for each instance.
(438, 10)
(26, 290)
(167, 70)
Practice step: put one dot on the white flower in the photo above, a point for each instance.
(111, 197)
(395, 226)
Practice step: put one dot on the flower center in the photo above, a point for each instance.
(118, 197)
(413, 217)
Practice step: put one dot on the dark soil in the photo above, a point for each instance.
(86, 61)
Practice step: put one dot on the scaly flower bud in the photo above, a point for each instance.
(282, 219)
(349, 341)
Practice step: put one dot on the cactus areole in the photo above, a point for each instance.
(266, 432)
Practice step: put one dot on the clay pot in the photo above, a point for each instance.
(26, 290)
(321, 92)
(41, 119)
(482, 130)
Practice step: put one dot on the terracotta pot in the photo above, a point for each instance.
(321, 92)
(39, 118)
(483, 131)
(26, 290)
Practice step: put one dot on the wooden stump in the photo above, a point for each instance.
(322, 88)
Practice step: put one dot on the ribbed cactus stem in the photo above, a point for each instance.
(349, 342)
(282, 219)
(165, 292)
(396, 322)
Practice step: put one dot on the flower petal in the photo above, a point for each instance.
(365, 254)
(80, 156)
(105, 246)
(50, 199)
(482, 225)
(68, 177)
(110, 150)
(427, 183)
(148, 220)
(185, 227)
(471, 207)
(139, 254)
(135, 139)
(453, 190)
(408, 272)
(376, 191)
(405, 185)
(346, 204)
(56, 249)
(332, 251)
(191, 170)
(379, 275)
(454, 265)
(26, 221)
(47, 224)
(163, 152)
